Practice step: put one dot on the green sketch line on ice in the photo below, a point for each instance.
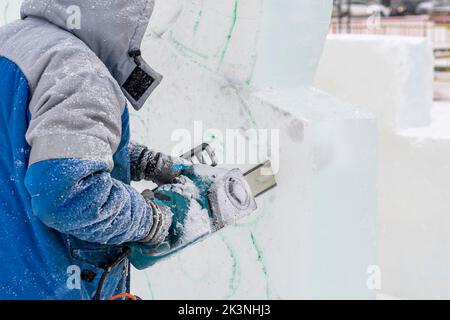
(229, 35)
(233, 282)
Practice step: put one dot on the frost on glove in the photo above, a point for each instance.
(154, 166)
(161, 221)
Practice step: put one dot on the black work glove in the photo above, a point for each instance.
(154, 166)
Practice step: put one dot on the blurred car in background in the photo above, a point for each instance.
(360, 8)
(404, 7)
(434, 7)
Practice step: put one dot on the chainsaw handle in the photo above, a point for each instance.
(199, 153)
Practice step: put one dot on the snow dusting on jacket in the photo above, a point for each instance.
(66, 207)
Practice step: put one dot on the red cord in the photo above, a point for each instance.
(124, 295)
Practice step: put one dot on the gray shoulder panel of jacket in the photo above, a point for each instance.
(76, 105)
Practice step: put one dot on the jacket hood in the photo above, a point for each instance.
(114, 30)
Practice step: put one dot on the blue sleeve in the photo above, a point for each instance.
(80, 198)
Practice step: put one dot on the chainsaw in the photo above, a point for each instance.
(227, 195)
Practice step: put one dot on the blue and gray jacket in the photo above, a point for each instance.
(66, 207)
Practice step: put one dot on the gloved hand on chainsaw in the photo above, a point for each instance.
(179, 214)
(202, 201)
(161, 220)
(147, 164)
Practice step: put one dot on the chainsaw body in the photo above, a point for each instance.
(225, 197)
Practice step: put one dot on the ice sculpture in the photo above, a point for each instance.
(9, 11)
(414, 155)
(249, 65)
(243, 65)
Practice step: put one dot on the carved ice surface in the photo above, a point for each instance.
(400, 93)
(313, 236)
(414, 155)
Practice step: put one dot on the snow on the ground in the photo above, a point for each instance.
(382, 296)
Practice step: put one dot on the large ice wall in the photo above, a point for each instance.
(249, 64)
(314, 235)
(230, 64)
(394, 74)
(393, 77)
